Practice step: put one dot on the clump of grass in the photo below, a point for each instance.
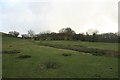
(49, 65)
(42, 66)
(110, 68)
(66, 54)
(11, 51)
(24, 56)
(98, 52)
(10, 45)
(97, 75)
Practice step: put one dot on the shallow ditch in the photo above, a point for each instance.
(93, 51)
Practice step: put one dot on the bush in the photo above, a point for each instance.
(49, 65)
(24, 56)
(66, 54)
(10, 45)
(13, 33)
(97, 75)
(11, 51)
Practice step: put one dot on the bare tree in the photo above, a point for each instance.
(92, 32)
(67, 33)
(31, 33)
(14, 33)
(25, 36)
(67, 30)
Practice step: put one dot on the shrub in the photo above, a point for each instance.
(10, 45)
(49, 65)
(97, 75)
(11, 51)
(24, 56)
(13, 33)
(66, 54)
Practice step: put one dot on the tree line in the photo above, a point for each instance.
(69, 34)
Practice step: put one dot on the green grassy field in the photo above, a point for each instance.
(78, 65)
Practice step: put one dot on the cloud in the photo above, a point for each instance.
(42, 15)
(24, 16)
(83, 15)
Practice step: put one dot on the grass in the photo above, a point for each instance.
(78, 65)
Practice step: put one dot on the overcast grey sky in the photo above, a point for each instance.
(43, 15)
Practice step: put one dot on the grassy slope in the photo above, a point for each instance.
(77, 65)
